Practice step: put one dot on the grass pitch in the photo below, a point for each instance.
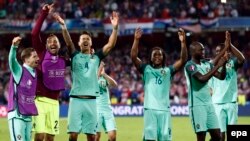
(129, 129)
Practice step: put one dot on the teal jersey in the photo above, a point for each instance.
(16, 71)
(103, 101)
(84, 69)
(157, 86)
(226, 90)
(198, 92)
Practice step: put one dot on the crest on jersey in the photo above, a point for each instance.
(163, 72)
(19, 137)
(53, 59)
(29, 83)
(191, 68)
(207, 69)
(228, 65)
(198, 126)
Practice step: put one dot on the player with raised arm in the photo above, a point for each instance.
(198, 71)
(85, 88)
(50, 71)
(157, 81)
(105, 114)
(225, 91)
(22, 88)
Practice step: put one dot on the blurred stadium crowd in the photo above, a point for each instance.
(119, 64)
(130, 87)
(28, 9)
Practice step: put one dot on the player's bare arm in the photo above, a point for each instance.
(227, 41)
(204, 78)
(184, 55)
(134, 51)
(240, 57)
(222, 74)
(66, 36)
(111, 81)
(101, 72)
(113, 37)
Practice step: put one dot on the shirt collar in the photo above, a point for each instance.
(30, 69)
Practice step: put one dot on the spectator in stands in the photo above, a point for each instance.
(3, 100)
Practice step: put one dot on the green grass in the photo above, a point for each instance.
(129, 129)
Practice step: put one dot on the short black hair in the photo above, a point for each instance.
(87, 33)
(192, 46)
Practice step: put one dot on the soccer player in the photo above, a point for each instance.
(198, 71)
(225, 91)
(22, 88)
(50, 81)
(157, 80)
(104, 111)
(85, 89)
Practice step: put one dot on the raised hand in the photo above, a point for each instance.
(228, 40)
(182, 35)
(138, 33)
(101, 70)
(114, 19)
(58, 18)
(16, 41)
(48, 7)
(226, 56)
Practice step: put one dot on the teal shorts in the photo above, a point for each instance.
(203, 117)
(106, 120)
(227, 114)
(157, 125)
(20, 130)
(82, 116)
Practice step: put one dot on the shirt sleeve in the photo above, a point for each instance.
(36, 39)
(172, 70)
(15, 67)
(100, 54)
(142, 68)
(73, 54)
(191, 68)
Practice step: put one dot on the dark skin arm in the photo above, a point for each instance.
(204, 78)
(183, 56)
(134, 51)
(227, 45)
(221, 75)
(240, 57)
